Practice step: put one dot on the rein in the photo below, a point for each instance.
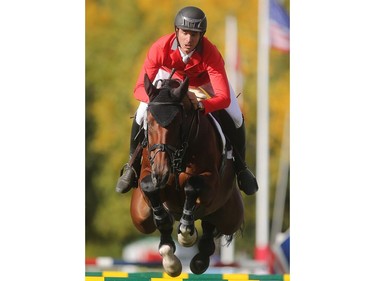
(176, 155)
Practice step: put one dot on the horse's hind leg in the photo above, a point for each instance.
(187, 233)
(206, 247)
(164, 223)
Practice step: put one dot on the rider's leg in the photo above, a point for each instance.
(234, 128)
(130, 173)
(245, 179)
(233, 125)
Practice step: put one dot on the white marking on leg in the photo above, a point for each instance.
(172, 265)
(184, 237)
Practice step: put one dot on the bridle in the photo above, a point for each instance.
(176, 156)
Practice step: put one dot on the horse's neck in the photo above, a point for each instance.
(191, 125)
(205, 134)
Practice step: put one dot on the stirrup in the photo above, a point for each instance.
(247, 182)
(128, 179)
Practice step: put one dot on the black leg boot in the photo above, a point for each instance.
(245, 178)
(129, 173)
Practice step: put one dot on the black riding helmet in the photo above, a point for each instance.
(191, 18)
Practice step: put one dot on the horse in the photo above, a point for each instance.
(185, 176)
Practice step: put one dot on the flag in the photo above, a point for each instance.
(279, 27)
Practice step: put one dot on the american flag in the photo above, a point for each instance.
(279, 27)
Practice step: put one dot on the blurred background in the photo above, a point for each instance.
(118, 35)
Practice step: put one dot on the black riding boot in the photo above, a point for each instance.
(245, 179)
(129, 174)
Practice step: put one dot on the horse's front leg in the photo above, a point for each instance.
(164, 223)
(187, 233)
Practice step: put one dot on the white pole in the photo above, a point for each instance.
(282, 184)
(262, 155)
(231, 49)
(227, 253)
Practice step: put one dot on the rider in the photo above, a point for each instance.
(189, 53)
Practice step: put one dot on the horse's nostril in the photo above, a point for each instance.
(160, 179)
(154, 179)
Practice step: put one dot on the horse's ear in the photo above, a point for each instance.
(182, 89)
(149, 87)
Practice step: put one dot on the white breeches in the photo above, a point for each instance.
(233, 109)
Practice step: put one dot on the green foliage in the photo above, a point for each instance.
(118, 35)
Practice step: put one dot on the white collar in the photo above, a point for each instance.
(185, 58)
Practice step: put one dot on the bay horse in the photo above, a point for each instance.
(185, 177)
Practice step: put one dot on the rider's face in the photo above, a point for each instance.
(188, 40)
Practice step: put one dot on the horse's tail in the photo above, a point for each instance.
(229, 238)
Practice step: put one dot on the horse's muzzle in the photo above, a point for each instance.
(160, 179)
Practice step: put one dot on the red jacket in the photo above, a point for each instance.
(205, 65)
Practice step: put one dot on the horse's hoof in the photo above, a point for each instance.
(184, 237)
(199, 264)
(171, 264)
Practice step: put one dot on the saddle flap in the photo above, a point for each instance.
(226, 145)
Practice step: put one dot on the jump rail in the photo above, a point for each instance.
(162, 276)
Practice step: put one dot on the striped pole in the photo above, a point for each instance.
(162, 276)
(107, 262)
